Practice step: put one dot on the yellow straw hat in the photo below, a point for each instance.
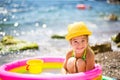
(77, 29)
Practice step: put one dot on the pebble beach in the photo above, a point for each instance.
(110, 62)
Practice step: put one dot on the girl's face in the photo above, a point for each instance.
(79, 43)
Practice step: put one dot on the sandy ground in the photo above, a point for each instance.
(110, 62)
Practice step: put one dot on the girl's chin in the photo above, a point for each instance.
(79, 51)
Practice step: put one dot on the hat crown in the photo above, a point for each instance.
(77, 29)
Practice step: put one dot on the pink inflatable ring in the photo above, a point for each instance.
(15, 70)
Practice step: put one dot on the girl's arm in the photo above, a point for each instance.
(64, 69)
(90, 60)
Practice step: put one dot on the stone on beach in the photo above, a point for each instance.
(116, 39)
(9, 43)
(104, 47)
(56, 36)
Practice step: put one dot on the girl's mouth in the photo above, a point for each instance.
(80, 48)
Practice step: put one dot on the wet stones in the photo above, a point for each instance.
(113, 1)
(56, 36)
(112, 17)
(116, 39)
(104, 47)
(11, 44)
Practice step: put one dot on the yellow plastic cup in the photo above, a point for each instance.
(34, 66)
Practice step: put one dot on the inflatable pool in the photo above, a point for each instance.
(17, 71)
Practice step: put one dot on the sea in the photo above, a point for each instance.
(37, 20)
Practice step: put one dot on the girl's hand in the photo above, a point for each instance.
(63, 71)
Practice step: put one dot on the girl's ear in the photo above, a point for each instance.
(87, 38)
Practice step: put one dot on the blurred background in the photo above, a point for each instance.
(37, 20)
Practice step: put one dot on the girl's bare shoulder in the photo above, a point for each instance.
(90, 52)
(69, 54)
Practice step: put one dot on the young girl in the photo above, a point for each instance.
(81, 57)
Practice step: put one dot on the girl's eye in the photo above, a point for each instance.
(83, 41)
(75, 41)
